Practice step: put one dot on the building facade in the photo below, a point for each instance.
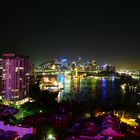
(20, 130)
(1, 69)
(15, 77)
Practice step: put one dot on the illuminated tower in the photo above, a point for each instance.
(1, 68)
(93, 64)
(15, 77)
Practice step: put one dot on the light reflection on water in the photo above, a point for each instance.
(104, 88)
(94, 90)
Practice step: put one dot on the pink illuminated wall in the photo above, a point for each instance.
(1, 68)
(20, 130)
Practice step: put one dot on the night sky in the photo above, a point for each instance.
(108, 32)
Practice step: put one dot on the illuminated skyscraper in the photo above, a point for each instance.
(1, 68)
(15, 77)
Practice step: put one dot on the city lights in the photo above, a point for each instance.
(70, 70)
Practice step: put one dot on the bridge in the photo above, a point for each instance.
(55, 67)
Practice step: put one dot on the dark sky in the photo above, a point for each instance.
(106, 31)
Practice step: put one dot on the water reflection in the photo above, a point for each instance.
(104, 88)
(112, 85)
(93, 90)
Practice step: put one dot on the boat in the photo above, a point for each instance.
(51, 86)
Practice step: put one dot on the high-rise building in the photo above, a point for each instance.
(15, 77)
(1, 69)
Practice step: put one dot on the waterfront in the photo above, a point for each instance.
(98, 91)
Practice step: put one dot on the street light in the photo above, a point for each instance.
(51, 137)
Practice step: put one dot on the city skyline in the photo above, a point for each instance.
(107, 32)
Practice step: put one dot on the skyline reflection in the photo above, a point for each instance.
(94, 90)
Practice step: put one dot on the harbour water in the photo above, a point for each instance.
(97, 90)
